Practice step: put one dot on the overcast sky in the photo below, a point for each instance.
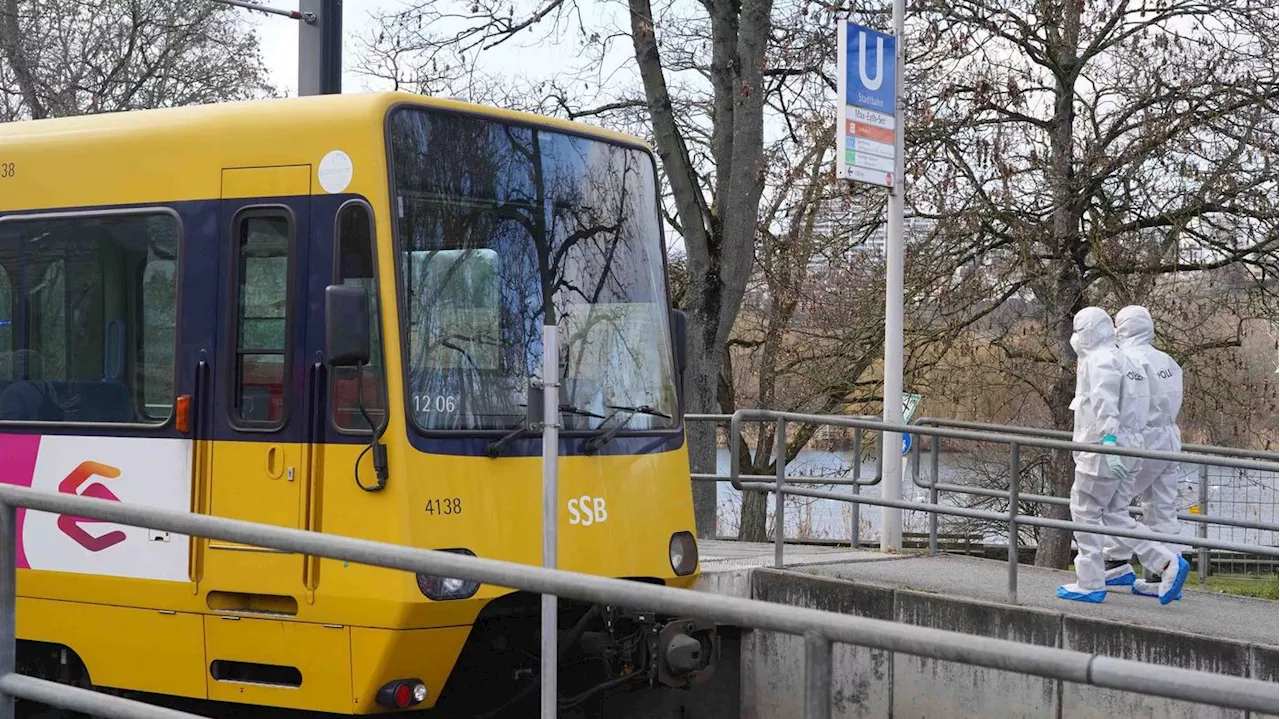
(279, 39)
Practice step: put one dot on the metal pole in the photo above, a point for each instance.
(291, 14)
(855, 519)
(891, 519)
(1203, 529)
(320, 48)
(933, 494)
(550, 509)
(8, 601)
(1015, 479)
(855, 515)
(817, 676)
(779, 512)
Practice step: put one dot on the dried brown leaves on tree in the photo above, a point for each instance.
(1100, 152)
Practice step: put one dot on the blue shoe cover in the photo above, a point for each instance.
(1075, 594)
(1175, 591)
(1143, 588)
(1123, 580)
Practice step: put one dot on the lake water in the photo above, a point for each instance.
(1232, 493)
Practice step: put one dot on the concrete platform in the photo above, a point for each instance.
(1204, 631)
(1221, 616)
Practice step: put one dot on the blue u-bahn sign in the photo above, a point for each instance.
(867, 125)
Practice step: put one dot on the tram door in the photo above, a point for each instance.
(259, 468)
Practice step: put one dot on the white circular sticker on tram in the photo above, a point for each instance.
(335, 171)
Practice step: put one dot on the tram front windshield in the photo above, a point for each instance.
(496, 221)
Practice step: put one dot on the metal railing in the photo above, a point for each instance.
(1202, 520)
(782, 485)
(820, 629)
(855, 483)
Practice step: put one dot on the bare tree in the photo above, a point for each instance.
(719, 46)
(73, 57)
(1091, 145)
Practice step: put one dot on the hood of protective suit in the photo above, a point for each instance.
(1092, 330)
(1134, 326)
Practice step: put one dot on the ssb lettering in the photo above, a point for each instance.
(587, 510)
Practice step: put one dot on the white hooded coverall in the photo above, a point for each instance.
(1111, 399)
(1156, 482)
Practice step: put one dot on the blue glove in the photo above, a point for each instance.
(1113, 460)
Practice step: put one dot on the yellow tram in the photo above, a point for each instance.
(164, 276)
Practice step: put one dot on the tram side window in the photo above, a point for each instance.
(6, 322)
(159, 333)
(355, 266)
(262, 276)
(82, 338)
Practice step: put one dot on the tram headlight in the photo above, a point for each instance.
(441, 589)
(684, 553)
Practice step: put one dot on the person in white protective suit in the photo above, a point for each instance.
(1111, 407)
(1156, 481)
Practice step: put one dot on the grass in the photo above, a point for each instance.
(1259, 586)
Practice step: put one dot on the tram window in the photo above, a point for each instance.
(159, 326)
(85, 353)
(355, 265)
(262, 276)
(6, 322)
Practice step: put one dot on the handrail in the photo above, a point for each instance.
(967, 489)
(1062, 434)
(855, 482)
(815, 625)
(1012, 518)
(935, 487)
(992, 437)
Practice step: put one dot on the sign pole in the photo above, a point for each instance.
(869, 150)
(550, 510)
(891, 534)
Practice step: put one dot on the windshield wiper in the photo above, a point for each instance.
(594, 444)
(495, 448)
(642, 409)
(570, 409)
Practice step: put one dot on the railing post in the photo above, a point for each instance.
(1202, 529)
(915, 468)
(8, 601)
(1015, 480)
(779, 514)
(855, 513)
(855, 519)
(817, 676)
(933, 494)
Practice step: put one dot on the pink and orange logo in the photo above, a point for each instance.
(71, 526)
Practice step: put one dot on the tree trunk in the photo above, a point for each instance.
(719, 240)
(1068, 286)
(700, 397)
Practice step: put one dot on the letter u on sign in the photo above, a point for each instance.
(870, 83)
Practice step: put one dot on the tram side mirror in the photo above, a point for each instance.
(346, 325)
(534, 406)
(680, 328)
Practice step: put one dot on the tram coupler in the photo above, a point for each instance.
(687, 651)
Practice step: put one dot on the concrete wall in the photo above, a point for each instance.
(874, 683)
(773, 684)
(971, 691)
